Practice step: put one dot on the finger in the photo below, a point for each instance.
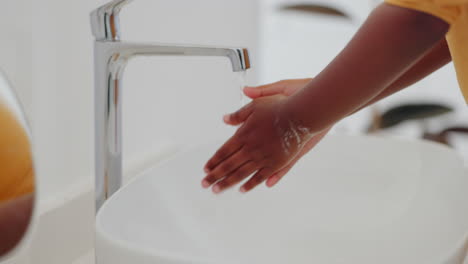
(264, 90)
(239, 116)
(224, 152)
(275, 178)
(225, 168)
(257, 179)
(236, 177)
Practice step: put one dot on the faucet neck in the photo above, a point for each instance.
(105, 21)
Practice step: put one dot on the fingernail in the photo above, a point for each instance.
(216, 189)
(206, 170)
(205, 184)
(226, 118)
(243, 190)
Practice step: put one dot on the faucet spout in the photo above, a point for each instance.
(239, 57)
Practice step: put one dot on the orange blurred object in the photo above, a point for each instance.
(16, 162)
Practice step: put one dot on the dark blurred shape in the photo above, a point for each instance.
(316, 9)
(402, 113)
(443, 136)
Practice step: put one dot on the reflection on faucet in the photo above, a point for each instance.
(111, 57)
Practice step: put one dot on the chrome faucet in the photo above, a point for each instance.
(111, 57)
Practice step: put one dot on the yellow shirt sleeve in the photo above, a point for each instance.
(448, 10)
(455, 12)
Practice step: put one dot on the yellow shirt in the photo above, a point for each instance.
(16, 163)
(455, 12)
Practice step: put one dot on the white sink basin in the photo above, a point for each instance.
(352, 200)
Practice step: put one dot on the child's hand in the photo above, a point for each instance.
(287, 88)
(266, 143)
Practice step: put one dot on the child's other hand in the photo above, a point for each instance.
(268, 140)
(287, 88)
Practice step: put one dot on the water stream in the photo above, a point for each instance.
(241, 80)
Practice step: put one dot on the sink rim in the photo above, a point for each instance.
(100, 234)
(155, 253)
(158, 253)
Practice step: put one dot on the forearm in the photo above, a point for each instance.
(435, 59)
(391, 41)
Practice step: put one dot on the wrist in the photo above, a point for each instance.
(297, 111)
(293, 133)
(307, 112)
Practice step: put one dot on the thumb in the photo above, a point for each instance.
(239, 116)
(264, 90)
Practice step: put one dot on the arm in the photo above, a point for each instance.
(435, 59)
(274, 129)
(391, 41)
(432, 61)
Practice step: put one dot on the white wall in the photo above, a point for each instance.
(47, 52)
(15, 47)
